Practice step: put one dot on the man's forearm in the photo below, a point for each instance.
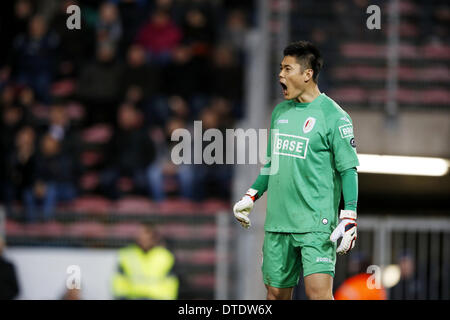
(262, 181)
(350, 188)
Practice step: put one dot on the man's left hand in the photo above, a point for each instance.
(347, 230)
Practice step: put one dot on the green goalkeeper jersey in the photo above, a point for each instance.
(311, 144)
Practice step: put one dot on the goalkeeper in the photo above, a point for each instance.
(312, 160)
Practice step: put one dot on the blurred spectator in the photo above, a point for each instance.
(235, 31)
(224, 64)
(132, 14)
(145, 269)
(54, 180)
(11, 122)
(356, 287)
(76, 46)
(186, 76)
(14, 21)
(109, 26)
(409, 285)
(9, 285)
(168, 179)
(212, 180)
(34, 56)
(140, 81)
(21, 165)
(130, 153)
(99, 85)
(159, 36)
(198, 31)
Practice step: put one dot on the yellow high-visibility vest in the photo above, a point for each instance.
(146, 275)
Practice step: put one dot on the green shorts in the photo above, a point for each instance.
(285, 253)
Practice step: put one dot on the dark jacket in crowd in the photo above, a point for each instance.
(9, 286)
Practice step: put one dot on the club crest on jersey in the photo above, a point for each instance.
(309, 124)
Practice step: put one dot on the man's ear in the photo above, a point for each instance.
(308, 74)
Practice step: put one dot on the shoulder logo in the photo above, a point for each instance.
(283, 121)
(309, 124)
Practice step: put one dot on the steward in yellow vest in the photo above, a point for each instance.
(145, 270)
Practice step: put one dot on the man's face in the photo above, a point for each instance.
(146, 238)
(293, 77)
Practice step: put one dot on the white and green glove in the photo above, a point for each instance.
(347, 230)
(243, 207)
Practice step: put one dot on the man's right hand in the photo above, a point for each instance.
(243, 207)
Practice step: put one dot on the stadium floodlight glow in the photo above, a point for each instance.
(386, 164)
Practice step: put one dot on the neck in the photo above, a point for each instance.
(309, 94)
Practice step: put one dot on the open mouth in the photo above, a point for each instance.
(284, 88)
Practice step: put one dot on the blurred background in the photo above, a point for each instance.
(87, 116)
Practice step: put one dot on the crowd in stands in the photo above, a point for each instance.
(91, 111)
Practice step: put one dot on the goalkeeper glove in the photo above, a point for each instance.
(347, 230)
(243, 207)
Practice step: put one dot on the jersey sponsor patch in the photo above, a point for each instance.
(309, 124)
(346, 130)
(290, 145)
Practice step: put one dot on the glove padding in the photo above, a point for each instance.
(243, 207)
(347, 230)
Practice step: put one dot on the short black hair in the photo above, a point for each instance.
(307, 54)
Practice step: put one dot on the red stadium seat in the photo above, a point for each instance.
(134, 205)
(91, 204)
(52, 229)
(175, 206)
(436, 51)
(203, 280)
(97, 134)
(63, 88)
(123, 230)
(75, 111)
(89, 181)
(91, 158)
(213, 206)
(87, 230)
(13, 228)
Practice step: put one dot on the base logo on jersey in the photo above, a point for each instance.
(309, 124)
(346, 130)
(290, 145)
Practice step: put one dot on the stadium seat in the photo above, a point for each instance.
(63, 88)
(349, 95)
(213, 206)
(97, 134)
(436, 51)
(52, 229)
(206, 256)
(87, 230)
(203, 280)
(91, 204)
(91, 158)
(134, 205)
(123, 230)
(89, 181)
(13, 228)
(75, 111)
(177, 206)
